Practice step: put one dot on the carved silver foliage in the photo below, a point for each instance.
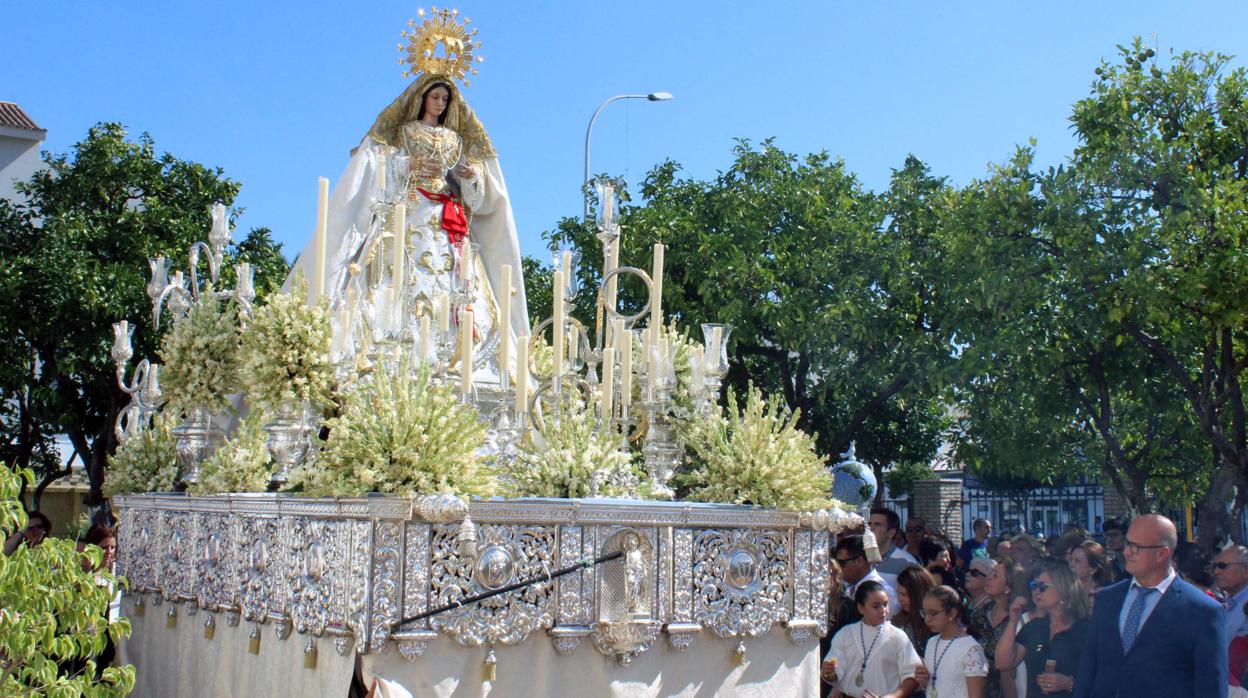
(441, 508)
(416, 572)
(801, 574)
(357, 602)
(682, 585)
(507, 552)
(820, 578)
(571, 609)
(178, 577)
(740, 580)
(317, 548)
(624, 640)
(260, 567)
(387, 553)
(215, 585)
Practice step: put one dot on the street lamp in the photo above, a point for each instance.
(653, 97)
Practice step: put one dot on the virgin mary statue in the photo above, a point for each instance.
(429, 152)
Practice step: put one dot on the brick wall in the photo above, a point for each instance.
(939, 503)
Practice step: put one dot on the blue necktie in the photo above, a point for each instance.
(1132, 627)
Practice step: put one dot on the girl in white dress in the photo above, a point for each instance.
(954, 665)
(871, 658)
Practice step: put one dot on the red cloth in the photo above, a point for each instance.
(1239, 658)
(454, 220)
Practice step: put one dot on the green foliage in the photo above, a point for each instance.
(537, 289)
(241, 464)
(285, 352)
(52, 612)
(571, 449)
(758, 456)
(147, 461)
(900, 479)
(201, 355)
(400, 436)
(73, 260)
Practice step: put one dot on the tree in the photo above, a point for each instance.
(833, 291)
(73, 260)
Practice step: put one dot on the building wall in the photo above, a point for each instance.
(19, 159)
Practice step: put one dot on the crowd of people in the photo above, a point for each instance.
(1139, 614)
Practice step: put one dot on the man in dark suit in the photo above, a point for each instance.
(1153, 634)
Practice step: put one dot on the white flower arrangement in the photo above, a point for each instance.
(756, 457)
(147, 461)
(399, 436)
(285, 352)
(201, 355)
(241, 464)
(574, 457)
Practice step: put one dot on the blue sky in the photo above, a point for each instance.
(277, 93)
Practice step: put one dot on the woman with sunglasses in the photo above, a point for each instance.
(1050, 647)
(954, 665)
(872, 657)
(976, 581)
(988, 623)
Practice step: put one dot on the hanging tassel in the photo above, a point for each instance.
(171, 618)
(210, 627)
(309, 654)
(870, 548)
(140, 608)
(738, 655)
(253, 640)
(467, 538)
(489, 671)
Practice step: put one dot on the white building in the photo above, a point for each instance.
(20, 138)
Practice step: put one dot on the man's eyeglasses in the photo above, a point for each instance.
(1224, 565)
(925, 613)
(1039, 586)
(1135, 548)
(842, 561)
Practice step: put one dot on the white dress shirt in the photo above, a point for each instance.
(1150, 602)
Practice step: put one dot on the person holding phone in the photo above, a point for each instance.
(871, 658)
(954, 665)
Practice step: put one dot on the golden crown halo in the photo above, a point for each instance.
(441, 45)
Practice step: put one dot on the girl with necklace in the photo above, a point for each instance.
(954, 665)
(871, 658)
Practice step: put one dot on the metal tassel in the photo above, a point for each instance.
(140, 608)
(171, 618)
(253, 640)
(738, 655)
(210, 627)
(309, 654)
(489, 671)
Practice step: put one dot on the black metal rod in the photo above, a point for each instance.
(549, 576)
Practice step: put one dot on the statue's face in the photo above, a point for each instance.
(436, 101)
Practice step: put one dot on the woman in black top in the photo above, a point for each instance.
(1050, 646)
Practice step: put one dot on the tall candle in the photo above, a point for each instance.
(400, 245)
(656, 291)
(556, 332)
(504, 327)
(522, 375)
(444, 314)
(465, 352)
(625, 344)
(608, 386)
(613, 261)
(566, 265)
(465, 261)
(619, 336)
(317, 287)
(153, 379)
(425, 339)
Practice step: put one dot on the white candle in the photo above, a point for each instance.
(400, 245)
(556, 332)
(619, 338)
(613, 261)
(504, 327)
(522, 375)
(444, 314)
(153, 378)
(566, 266)
(425, 339)
(608, 387)
(317, 287)
(246, 279)
(656, 291)
(465, 261)
(625, 343)
(379, 177)
(465, 352)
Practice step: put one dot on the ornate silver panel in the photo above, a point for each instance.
(387, 578)
(571, 609)
(505, 554)
(682, 580)
(740, 580)
(215, 585)
(820, 579)
(801, 574)
(416, 572)
(360, 583)
(260, 567)
(177, 580)
(317, 549)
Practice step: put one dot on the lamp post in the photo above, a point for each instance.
(653, 97)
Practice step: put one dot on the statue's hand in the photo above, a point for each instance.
(464, 171)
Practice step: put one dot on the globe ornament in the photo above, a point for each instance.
(441, 45)
(853, 481)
